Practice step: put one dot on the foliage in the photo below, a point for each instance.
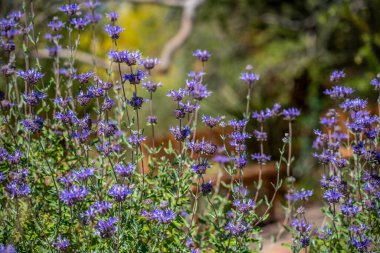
(78, 171)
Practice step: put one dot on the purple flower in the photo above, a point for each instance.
(134, 78)
(151, 86)
(151, 120)
(34, 97)
(249, 78)
(116, 56)
(2, 177)
(375, 82)
(240, 161)
(69, 9)
(84, 77)
(202, 55)
(239, 138)
(113, 31)
(15, 16)
(324, 234)
(237, 228)
(135, 139)
(106, 148)
(67, 72)
(54, 38)
(303, 230)
(206, 188)
(85, 122)
(179, 113)
(84, 98)
(337, 75)
(93, 18)
(244, 205)
(92, 4)
(8, 46)
(132, 58)
(83, 174)
(349, 209)
(96, 91)
(107, 104)
(125, 170)
(180, 134)
(238, 125)
(7, 249)
(53, 50)
(163, 216)
(107, 129)
(102, 207)
(18, 188)
(199, 91)
(261, 158)
(339, 92)
(333, 195)
(15, 158)
(113, 16)
(189, 107)
(260, 136)
(201, 167)
(262, 116)
(177, 95)
(62, 244)
(221, 159)
(210, 121)
(150, 63)
(106, 228)
(31, 76)
(56, 25)
(73, 195)
(120, 192)
(203, 146)
(66, 180)
(66, 117)
(3, 155)
(361, 243)
(136, 102)
(34, 126)
(291, 113)
(355, 104)
(302, 195)
(79, 23)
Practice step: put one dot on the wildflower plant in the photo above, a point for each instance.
(77, 173)
(348, 153)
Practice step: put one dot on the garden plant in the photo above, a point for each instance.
(82, 171)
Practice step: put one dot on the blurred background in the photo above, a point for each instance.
(293, 45)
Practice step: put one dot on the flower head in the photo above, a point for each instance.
(73, 195)
(337, 75)
(69, 9)
(249, 78)
(113, 31)
(339, 92)
(106, 228)
(31, 76)
(120, 192)
(125, 170)
(203, 55)
(291, 113)
(113, 16)
(62, 244)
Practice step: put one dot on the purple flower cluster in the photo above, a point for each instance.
(120, 192)
(73, 195)
(106, 228)
(163, 216)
